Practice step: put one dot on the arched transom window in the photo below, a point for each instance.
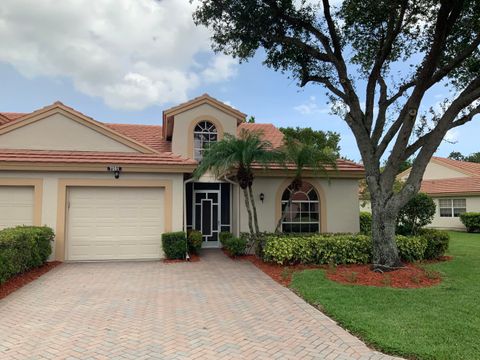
(204, 134)
(303, 213)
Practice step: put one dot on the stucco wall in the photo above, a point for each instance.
(436, 171)
(50, 192)
(57, 132)
(340, 203)
(473, 205)
(182, 138)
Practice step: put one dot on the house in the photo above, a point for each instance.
(110, 190)
(455, 188)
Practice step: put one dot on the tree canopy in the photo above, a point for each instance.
(378, 60)
(473, 157)
(318, 138)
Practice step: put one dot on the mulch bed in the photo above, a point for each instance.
(410, 277)
(193, 258)
(23, 279)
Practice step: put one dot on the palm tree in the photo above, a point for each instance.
(303, 155)
(239, 155)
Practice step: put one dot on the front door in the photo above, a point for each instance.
(207, 215)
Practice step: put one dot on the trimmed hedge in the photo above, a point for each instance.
(471, 220)
(194, 241)
(224, 236)
(365, 223)
(235, 246)
(23, 248)
(437, 243)
(174, 245)
(344, 248)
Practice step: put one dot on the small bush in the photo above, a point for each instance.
(224, 236)
(471, 220)
(417, 213)
(411, 248)
(365, 223)
(174, 245)
(437, 243)
(236, 246)
(194, 241)
(23, 248)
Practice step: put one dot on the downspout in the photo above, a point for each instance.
(231, 203)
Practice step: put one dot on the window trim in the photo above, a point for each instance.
(208, 132)
(451, 207)
(290, 222)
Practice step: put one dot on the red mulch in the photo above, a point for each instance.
(20, 280)
(193, 258)
(412, 276)
(408, 277)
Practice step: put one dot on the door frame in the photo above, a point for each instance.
(206, 243)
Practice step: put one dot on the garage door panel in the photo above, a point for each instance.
(16, 206)
(115, 223)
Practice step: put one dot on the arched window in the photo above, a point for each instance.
(203, 134)
(303, 215)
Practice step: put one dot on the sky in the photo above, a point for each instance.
(125, 61)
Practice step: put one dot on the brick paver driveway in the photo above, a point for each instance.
(214, 309)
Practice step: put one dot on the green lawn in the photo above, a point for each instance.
(441, 322)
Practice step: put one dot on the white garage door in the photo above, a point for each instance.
(114, 223)
(16, 206)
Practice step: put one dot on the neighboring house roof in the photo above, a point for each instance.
(453, 186)
(466, 167)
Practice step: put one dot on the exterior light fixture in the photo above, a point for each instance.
(262, 197)
(116, 170)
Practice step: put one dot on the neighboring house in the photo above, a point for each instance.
(455, 188)
(110, 190)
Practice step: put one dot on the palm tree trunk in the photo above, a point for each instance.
(254, 209)
(249, 210)
(284, 212)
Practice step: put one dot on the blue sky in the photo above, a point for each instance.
(35, 72)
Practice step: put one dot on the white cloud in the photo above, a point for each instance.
(131, 53)
(452, 135)
(310, 107)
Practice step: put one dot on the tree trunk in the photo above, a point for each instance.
(254, 210)
(385, 251)
(249, 210)
(284, 213)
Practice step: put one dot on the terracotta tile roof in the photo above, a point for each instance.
(463, 166)
(466, 185)
(269, 132)
(92, 157)
(6, 117)
(150, 135)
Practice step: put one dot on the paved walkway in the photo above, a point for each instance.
(213, 309)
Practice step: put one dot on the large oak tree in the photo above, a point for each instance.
(378, 60)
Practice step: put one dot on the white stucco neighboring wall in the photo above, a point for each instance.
(454, 223)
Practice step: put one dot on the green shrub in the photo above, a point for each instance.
(471, 220)
(224, 236)
(318, 249)
(235, 246)
(23, 248)
(437, 243)
(174, 245)
(417, 213)
(194, 241)
(365, 223)
(411, 248)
